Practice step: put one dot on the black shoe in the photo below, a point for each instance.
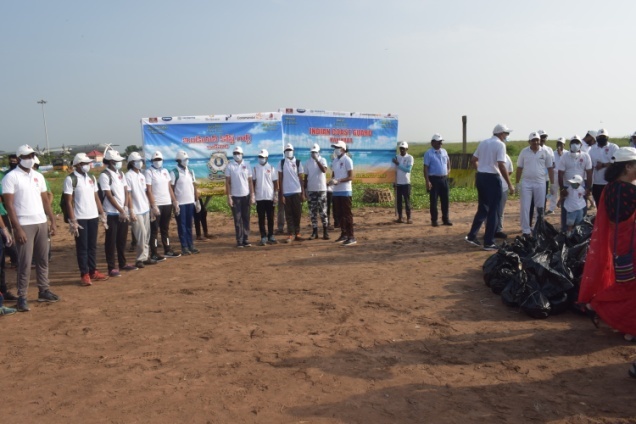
(473, 241)
(150, 262)
(325, 234)
(171, 254)
(194, 250)
(9, 297)
(158, 258)
(491, 247)
(22, 305)
(447, 223)
(314, 234)
(47, 296)
(349, 242)
(434, 224)
(186, 252)
(341, 239)
(139, 264)
(501, 235)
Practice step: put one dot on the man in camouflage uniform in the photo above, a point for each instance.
(316, 186)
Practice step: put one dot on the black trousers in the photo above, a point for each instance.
(161, 224)
(597, 190)
(345, 216)
(201, 220)
(115, 242)
(86, 245)
(265, 209)
(293, 210)
(403, 191)
(439, 190)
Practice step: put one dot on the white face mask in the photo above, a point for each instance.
(157, 164)
(338, 152)
(574, 148)
(185, 162)
(137, 164)
(238, 157)
(27, 163)
(86, 168)
(117, 165)
(289, 154)
(262, 161)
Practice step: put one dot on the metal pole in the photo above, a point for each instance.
(46, 133)
(464, 120)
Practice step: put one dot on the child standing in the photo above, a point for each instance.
(575, 202)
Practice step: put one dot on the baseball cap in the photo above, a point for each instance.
(238, 149)
(288, 146)
(81, 158)
(577, 179)
(315, 148)
(625, 154)
(561, 140)
(181, 155)
(340, 144)
(501, 128)
(403, 145)
(534, 135)
(114, 155)
(157, 155)
(24, 150)
(134, 156)
(591, 132)
(263, 154)
(575, 138)
(542, 133)
(437, 137)
(602, 132)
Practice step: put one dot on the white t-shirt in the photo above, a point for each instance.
(264, 177)
(239, 175)
(490, 152)
(504, 184)
(291, 179)
(27, 189)
(159, 182)
(137, 187)
(401, 177)
(117, 188)
(316, 179)
(534, 164)
(575, 199)
(557, 159)
(183, 187)
(604, 155)
(84, 205)
(574, 164)
(341, 167)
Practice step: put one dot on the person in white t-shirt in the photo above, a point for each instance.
(554, 188)
(239, 187)
(137, 187)
(575, 202)
(182, 180)
(84, 213)
(403, 164)
(162, 202)
(292, 192)
(265, 179)
(27, 204)
(574, 162)
(504, 198)
(531, 165)
(590, 136)
(342, 167)
(601, 153)
(316, 187)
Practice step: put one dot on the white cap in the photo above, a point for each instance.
(591, 132)
(577, 179)
(534, 135)
(437, 137)
(81, 158)
(339, 144)
(134, 156)
(542, 133)
(315, 148)
(36, 160)
(575, 138)
(624, 154)
(263, 154)
(111, 154)
(289, 147)
(238, 149)
(24, 150)
(501, 128)
(561, 140)
(403, 145)
(157, 155)
(181, 155)
(601, 132)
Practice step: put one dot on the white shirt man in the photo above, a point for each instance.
(182, 181)
(265, 179)
(183, 186)
(116, 183)
(240, 191)
(574, 162)
(136, 182)
(162, 201)
(404, 163)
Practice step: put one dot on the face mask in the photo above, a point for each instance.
(26, 163)
(289, 154)
(118, 165)
(157, 164)
(574, 148)
(86, 168)
(574, 186)
(238, 157)
(137, 164)
(262, 161)
(185, 162)
(338, 152)
(506, 139)
(601, 141)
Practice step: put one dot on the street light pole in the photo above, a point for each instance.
(46, 134)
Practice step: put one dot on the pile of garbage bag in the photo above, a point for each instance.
(540, 273)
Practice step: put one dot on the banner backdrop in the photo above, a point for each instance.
(209, 140)
(370, 137)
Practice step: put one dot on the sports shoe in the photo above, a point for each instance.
(9, 297)
(349, 241)
(22, 305)
(114, 273)
(434, 224)
(86, 280)
(409, 221)
(98, 276)
(158, 258)
(473, 241)
(298, 238)
(171, 254)
(341, 239)
(139, 264)
(491, 247)
(47, 296)
(129, 267)
(263, 241)
(7, 311)
(399, 221)
(447, 223)
(239, 246)
(501, 235)
(247, 244)
(150, 261)
(289, 239)
(272, 240)
(185, 252)
(194, 250)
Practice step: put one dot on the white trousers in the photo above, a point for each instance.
(553, 198)
(141, 230)
(530, 190)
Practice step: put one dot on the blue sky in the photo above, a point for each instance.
(563, 66)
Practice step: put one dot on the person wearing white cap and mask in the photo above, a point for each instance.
(24, 192)
(573, 162)
(341, 181)
(137, 187)
(84, 211)
(162, 201)
(554, 188)
(590, 136)
(490, 161)
(292, 192)
(531, 165)
(601, 153)
(239, 187)
(315, 170)
(187, 201)
(436, 169)
(575, 202)
(403, 164)
(265, 179)
(543, 137)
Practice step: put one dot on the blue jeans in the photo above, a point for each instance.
(86, 245)
(489, 198)
(184, 225)
(241, 213)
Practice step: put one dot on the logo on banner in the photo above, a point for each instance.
(153, 120)
(288, 110)
(166, 118)
(217, 164)
(300, 110)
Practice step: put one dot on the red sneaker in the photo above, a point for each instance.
(86, 280)
(98, 276)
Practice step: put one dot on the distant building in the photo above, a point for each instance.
(96, 155)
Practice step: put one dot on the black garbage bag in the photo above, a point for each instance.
(500, 260)
(523, 245)
(577, 252)
(551, 282)
(580, 233)
(559, 304)
(559, 262)
(502, 277)
(545, 234)
(536, 305)
(514, 290)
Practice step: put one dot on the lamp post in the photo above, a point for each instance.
(46, 134)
